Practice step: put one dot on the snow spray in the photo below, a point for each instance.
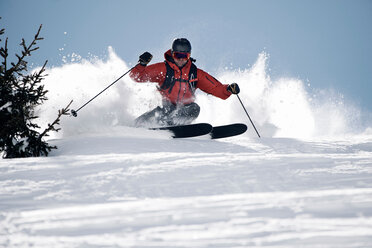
(284, 107)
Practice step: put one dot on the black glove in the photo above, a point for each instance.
(233, 88)
(145, 58)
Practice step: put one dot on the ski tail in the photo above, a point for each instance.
(187, 131)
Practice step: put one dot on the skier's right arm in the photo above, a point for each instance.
(153, 73)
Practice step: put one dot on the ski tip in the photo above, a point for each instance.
(230, 130)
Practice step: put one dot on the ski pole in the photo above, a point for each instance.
(248, 116)
(74, 112)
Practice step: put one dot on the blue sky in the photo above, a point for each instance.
(327, 42)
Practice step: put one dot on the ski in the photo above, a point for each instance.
(225, 131)
(199, 129)
(187, 131)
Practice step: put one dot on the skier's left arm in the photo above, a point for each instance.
(211, 85)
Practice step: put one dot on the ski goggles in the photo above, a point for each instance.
(179, 55)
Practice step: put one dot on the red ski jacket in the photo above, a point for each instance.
(178, 85)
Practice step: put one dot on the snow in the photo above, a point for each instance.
(128, 191)
(7, 106)
(112, 185)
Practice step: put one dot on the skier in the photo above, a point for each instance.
(177, 79)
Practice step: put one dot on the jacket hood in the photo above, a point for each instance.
(168, 56)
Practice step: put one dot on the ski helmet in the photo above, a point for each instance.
(181, 45)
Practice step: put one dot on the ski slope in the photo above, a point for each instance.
(137, 188)
(306, 183)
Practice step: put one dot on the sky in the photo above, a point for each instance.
(325, 43)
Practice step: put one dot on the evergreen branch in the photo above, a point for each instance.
(37, 77)
(51, 127)
(26, 52)
(38, 32)
(34, 49)
(2, 30)
(4, 54)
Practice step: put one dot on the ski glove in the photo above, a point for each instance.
(145, 58)
(233, 88)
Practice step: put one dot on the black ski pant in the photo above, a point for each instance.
(169, 115)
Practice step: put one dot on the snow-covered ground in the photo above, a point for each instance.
(128, 190)
(306, 183)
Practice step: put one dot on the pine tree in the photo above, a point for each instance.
(20, 93)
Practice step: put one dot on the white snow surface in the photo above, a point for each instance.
(306, 183)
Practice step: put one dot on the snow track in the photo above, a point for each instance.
(236, 220)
